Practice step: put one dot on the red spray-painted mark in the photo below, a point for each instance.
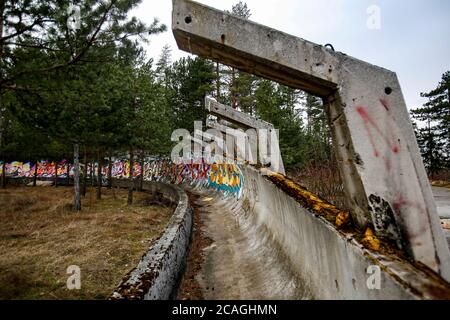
(368, 122)
(401, 205)
(385, 104)
(387, 163)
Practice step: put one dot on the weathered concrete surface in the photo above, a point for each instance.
(268, 246)
(233, 142)
(442, 198)
(235, 116)
(447, 235)
(245, 121)
(241, 263)
(159, 270)
(378, 156)
(333, 262)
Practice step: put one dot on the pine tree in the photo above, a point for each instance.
(317, 131)
(164, 62)
(430, 146)
(42, 26)
(277, 104)
(191, 80)
(242, 85)
(68, 85)
(434, 137)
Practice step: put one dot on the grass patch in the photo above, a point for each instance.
(324, 180)
(40, 236)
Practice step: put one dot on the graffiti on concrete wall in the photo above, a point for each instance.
(225, 177)
(45, 169)
(387, 146)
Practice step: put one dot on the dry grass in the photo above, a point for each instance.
(442, 175)
(440, 183)
(324, 180)
(40, 236)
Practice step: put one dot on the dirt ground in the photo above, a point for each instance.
(228, 259)
(190, 289)
(40, 237)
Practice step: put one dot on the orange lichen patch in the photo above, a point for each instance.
(309, 200)
(339, 218)
(370, 240)
(342, 219)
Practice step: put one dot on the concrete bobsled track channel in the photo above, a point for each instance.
(268, 245)
(272, 240)
(241, 262)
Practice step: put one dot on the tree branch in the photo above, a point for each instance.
(73, 60)
(27, 28)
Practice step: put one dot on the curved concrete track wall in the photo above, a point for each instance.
(159, 270)
(271, 244)
(330, 263)
(271, 241)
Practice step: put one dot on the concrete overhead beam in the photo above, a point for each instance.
(239, 118)
(275, 56)
(250, 152)
(385, 181)
(246, 121)
(225, 129)
(226, 123)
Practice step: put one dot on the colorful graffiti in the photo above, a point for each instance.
(45, 169)
(225, 177)
(121, 169)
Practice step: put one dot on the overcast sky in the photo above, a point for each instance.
(413, 38)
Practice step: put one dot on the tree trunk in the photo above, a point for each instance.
(68, 174)
(99, 177)
(131, 185)
(4, 174)
(36, 163)
(83, 192)
(217, 82)
(233, 88)
(141, 178)
(92, 172)
(76, 178)
(110, 173)
(2, 22)
(56, 174)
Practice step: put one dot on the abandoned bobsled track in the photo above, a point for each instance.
(238, 263)
(270, 237)
(384, 179)
(275, 240)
